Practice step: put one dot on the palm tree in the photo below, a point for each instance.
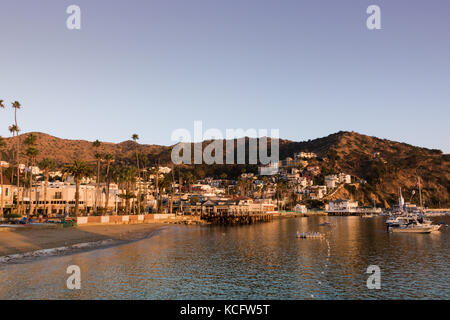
(96, 144)
(128, 176)
(14, 129)
(46, 165)
(16, 105)
(135, 137)
(2, 144)
(155, 171)
(31, 153)
(78, 169)
(98, 203)
(109, 158)
(166, 184)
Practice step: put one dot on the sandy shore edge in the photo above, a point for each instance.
(41, 242)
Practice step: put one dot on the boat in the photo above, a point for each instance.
(410, 219)
(309, 235)
(412, 229)
(368, 216)
(324, 224)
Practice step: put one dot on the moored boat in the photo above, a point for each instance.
(308, 235)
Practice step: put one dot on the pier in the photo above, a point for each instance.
(239, 218)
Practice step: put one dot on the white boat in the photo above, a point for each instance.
(308, 235)
(410, 221)
(411, 229)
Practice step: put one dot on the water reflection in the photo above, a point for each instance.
(248, 262)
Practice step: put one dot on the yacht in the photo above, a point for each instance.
(410, 219)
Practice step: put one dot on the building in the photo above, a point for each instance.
(305, 155)
(227, 207)
(268, 170)
(300, 208)
(331, 181)
(313, 170)
(343, 206)
(345, 178)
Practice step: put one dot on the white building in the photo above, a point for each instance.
(300, 208)
(331, 181)
(269, 170)
(342, 206)
(345, 178)
(305, 155)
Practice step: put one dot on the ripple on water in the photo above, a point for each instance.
(262, 261)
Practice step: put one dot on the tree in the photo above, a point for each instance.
(46, 165)
(2, 144)
(78, 169)
(16, 105)
(109, 158)
(135, 137)
(167, 185)
(128, 176)
(14, 129)
(96, 144)
(190, 180)
(155, 172)
(31, 153)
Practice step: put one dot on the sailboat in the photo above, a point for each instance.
(410, 219)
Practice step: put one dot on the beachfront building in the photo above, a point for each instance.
(344, 206)
(61, 198)
(8, 192)
(300, 208)
(221, 207)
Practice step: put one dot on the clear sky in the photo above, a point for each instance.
(308, 68)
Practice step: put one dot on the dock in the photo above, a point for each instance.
(239, 218)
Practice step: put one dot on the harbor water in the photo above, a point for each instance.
(259, 261)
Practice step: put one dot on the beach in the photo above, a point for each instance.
(23, 240)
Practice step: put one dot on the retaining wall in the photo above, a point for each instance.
(132, 219)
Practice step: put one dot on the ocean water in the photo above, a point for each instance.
(261, 261)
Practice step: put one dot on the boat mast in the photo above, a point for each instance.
(420, 192)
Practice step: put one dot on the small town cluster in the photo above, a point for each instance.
(161, 189)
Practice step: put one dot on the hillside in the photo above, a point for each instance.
(65, 151)
(385, 165)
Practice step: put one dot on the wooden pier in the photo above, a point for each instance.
(239, 219)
